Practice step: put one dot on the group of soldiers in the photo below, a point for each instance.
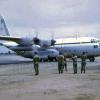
(62, 63)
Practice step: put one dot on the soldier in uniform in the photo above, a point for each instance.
(65, 61)
(60, 60)
(74, 58)
(36, 63)
(83, 62)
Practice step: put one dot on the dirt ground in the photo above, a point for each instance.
(18, 82)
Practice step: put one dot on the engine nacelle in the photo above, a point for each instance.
(26, 41)
(43, 43)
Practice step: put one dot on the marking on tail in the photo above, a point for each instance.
(3, 29)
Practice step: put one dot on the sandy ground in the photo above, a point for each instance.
(18, 82)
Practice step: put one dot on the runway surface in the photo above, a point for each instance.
(18, 82)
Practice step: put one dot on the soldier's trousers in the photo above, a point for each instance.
(36, 68)
(65, 65)
(83, 65)
(75, 67)
(60, 68)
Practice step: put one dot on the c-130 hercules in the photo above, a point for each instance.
(50, 48)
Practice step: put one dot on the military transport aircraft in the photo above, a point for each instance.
(25, 46)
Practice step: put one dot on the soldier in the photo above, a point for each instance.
(36, 63)
(60, 60)
(74, 58)
(65, 61)
(83, 62)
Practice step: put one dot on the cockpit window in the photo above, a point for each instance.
(95, 46)
(93, 41)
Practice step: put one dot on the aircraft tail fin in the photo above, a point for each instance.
(3, 28)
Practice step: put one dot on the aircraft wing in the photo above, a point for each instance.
(8, 38)
(21, 41)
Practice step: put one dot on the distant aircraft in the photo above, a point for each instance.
(26, 46)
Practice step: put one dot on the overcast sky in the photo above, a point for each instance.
(59, 17)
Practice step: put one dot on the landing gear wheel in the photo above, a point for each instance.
(91, 59)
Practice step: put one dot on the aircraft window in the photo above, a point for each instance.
(93, 41)
(95, 46)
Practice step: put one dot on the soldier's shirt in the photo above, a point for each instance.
(74, 58)
(83, 58)
(60, 59)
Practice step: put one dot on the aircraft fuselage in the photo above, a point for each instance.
(91, 49)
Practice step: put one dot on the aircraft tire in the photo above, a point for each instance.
(51, 59)
(91, 59)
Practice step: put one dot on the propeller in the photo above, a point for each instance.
(36, 40)
(44, 43)
(52, 40)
